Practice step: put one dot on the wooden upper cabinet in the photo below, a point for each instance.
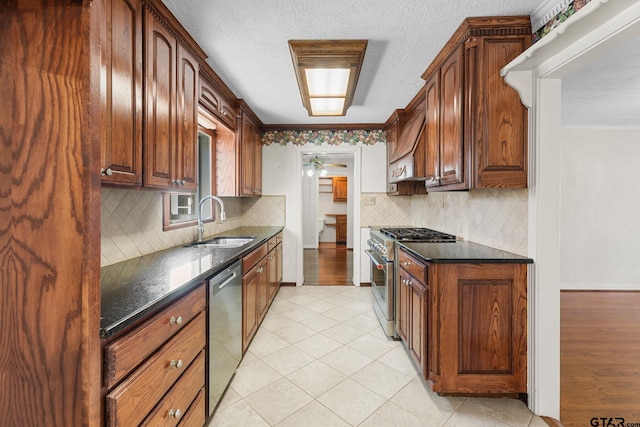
(172, 75)
(475, 123)
(339, 187)
(214, 102)
(250, 158)
(121, 160)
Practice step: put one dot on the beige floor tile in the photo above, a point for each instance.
(229, 398)
(418, 399)
(274, 321)
(364, 322)
(536, 421)
(351, 401)
(298, 313)
(302, 299)
(281, 304)
(319, 323)
(372, 346)
(316, 378)
(248, 358)
(469, 417)
(288, 359)
(398, 359)
(313, 415)
(346, 360)
(511, 411)
(341, 313)
(240, 414)
(294, 332)
(378, 333)
(343, 333)
(253, 377)
(278, 400)
(381, 379)
(320, 306)
(318, 345)
(265, 343)
(358, 307)
(390, 414)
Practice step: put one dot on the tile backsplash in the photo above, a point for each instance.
(492, 217)
(131, 222)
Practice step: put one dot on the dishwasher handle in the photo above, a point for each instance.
(227, 281)
(224, 278)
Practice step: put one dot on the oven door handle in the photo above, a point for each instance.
(379, 266)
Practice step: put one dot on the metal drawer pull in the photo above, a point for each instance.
(176, 364)
(174, 413)
(175, 320)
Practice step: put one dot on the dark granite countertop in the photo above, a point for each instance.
(132, 289)
(462, 252)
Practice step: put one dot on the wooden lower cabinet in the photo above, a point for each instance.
(465, 325)
(161, 385)
(261, 279)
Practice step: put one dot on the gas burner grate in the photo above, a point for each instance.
(418, 234)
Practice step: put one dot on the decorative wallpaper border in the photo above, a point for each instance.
(324, 137)
(561, 17)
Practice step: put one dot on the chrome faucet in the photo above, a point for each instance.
(223, 216)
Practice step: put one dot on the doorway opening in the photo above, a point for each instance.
(328, 218)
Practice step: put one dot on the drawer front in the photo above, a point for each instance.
(415, 267)
(173, 407)
(279, 237)
(252, 259)
(133, 399)
(123, 355)
(195, 416)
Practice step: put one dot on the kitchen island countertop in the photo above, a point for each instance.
(462, 252)
(132, 289)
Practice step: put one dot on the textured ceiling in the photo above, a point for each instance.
(246, 41)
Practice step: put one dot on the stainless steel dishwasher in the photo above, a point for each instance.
(225, 330)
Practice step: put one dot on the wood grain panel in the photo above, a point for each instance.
(187, 124)
(227, 157)
(432, 129)
(485, 326)
(451, 130)
(502, 123)
(49, 215)
(599, 356)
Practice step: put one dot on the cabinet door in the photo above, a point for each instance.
(432, 130)
(160, 106)
(273, 270)
(403, 320)
(263, 288)
(187, 123)
(417, 338)
(452, 154)
(249, 307)
(257, 162)
(339, 189)
(122, 115)
(248, 154)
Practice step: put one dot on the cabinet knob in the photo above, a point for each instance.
(176, 320)
(223, 111)
(175, 413)
(177, 364)
(406, 263)
(183, 182)
(107, 171)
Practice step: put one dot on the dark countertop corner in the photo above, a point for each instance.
(132, 289)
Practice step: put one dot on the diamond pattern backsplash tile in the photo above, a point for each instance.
(131, 222)
(495, 217)
(379, 209)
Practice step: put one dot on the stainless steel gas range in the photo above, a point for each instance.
(382, 254)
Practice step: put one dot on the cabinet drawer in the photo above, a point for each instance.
(133, 399)
(415, 267)
(272, 243)
(195, 416)
(173, 407)
(279, 237)
(122, 355)
(252, 259)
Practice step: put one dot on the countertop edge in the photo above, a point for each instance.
(512, 259)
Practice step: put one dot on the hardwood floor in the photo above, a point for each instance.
(599, 358)
(330, 264)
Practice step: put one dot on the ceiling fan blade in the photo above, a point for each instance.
(336, 165)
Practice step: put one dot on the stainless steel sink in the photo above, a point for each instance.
(224, 242)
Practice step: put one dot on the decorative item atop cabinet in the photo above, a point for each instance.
(476, 126)
(405, 150)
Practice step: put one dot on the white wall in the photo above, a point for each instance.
(599, 208)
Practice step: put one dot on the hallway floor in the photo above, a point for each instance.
(330, 264)
(320, 359)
